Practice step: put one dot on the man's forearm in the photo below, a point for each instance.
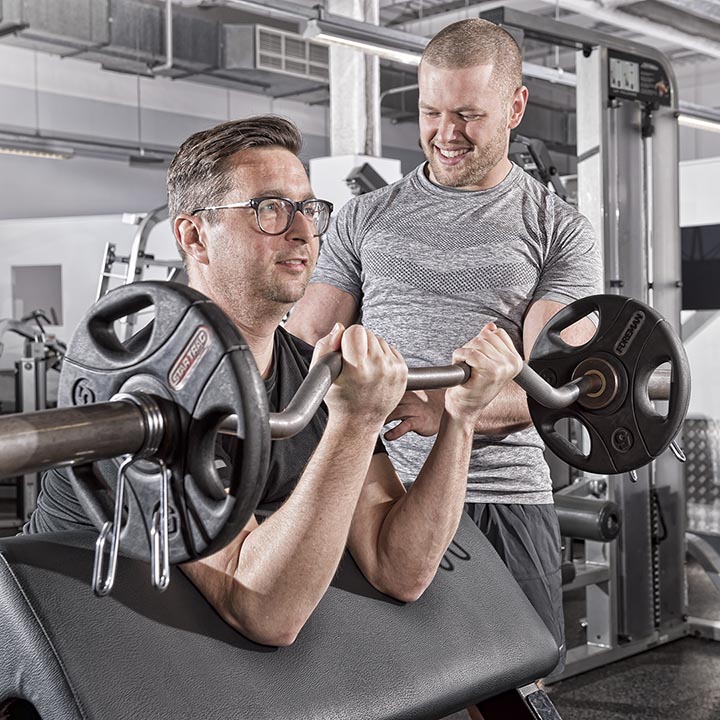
(506, 414)
(421, 524)
(286, 564)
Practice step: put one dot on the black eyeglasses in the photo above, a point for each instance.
(275, 215)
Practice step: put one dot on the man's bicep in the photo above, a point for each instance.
(323, 305)
(540, 313)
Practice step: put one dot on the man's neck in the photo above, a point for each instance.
(493, 178)
(256, 322)
(260, 339)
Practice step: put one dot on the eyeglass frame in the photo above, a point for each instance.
(297, 205)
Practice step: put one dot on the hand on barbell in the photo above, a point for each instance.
(373, 376)
(419, 411)
(494, 362)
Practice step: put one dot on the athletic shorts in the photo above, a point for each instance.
(527, 538)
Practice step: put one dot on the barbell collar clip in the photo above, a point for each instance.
(102, 583)
(677, 451)
(159, 535)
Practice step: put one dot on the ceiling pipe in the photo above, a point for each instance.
(589, 8)
(168, 64)
(626, 21)
(433, 23)
(278, 9)
(606, 12)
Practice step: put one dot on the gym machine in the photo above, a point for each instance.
(137, 262)
(533, 157)
(627, 148)
(42, 354)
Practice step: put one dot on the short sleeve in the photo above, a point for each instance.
(573, 266)
(339, 262)
(58, 508)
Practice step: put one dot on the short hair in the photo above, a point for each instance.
(473, 42)
(198, 174)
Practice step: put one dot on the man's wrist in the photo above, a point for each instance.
(452, 419)
(355, 423)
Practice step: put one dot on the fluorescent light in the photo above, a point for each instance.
(37, 152)
(386, 53)
(698, 123)
(391, 45)
(550, 74)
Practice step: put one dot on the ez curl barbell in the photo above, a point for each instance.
(139, 419)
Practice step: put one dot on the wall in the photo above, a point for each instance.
(52, 96)
(699, 83)
(78, 245)
(698, 206)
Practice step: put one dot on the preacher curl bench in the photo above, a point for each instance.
(362, 656)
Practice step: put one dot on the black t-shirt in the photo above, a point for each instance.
(58, 509)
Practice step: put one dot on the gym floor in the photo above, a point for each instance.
(677, 680)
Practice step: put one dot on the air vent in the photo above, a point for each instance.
(269, 42)
(291, 54)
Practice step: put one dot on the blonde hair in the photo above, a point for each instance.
(478, 42)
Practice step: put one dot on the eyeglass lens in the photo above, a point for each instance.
(275, 215)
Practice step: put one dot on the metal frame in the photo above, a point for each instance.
(628, 188)
(136, 261)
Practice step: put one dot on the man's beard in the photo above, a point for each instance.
(253, 296)
(281, 293)
(473, 170)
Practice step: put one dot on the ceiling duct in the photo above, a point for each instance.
(280, 62)
(124, 35)
(129, 36)
(60, 28)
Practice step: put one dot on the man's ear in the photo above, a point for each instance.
(517, 107)
(190, 236)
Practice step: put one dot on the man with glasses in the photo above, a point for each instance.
(247, 226)
(465, 238)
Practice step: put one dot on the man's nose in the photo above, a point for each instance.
(302, 228)
(446, 129)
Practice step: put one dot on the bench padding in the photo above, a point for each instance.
(139, 653)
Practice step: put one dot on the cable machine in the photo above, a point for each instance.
(627, 159)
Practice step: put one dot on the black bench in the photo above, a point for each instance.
(142, 654)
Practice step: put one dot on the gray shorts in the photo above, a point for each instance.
(527, 538)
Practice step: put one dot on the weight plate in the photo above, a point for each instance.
(194, 361)
(635, 339)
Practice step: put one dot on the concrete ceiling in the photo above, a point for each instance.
(95, 74)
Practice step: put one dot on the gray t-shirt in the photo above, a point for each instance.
(430, 265)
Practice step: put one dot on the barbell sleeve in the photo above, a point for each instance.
(659, 384)
(32, 442)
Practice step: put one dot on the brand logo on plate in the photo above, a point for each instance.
(636, 322)
(189, 358)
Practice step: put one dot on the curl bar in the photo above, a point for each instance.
(33, 442)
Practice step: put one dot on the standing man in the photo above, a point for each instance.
(247, 225)
(466, 238)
